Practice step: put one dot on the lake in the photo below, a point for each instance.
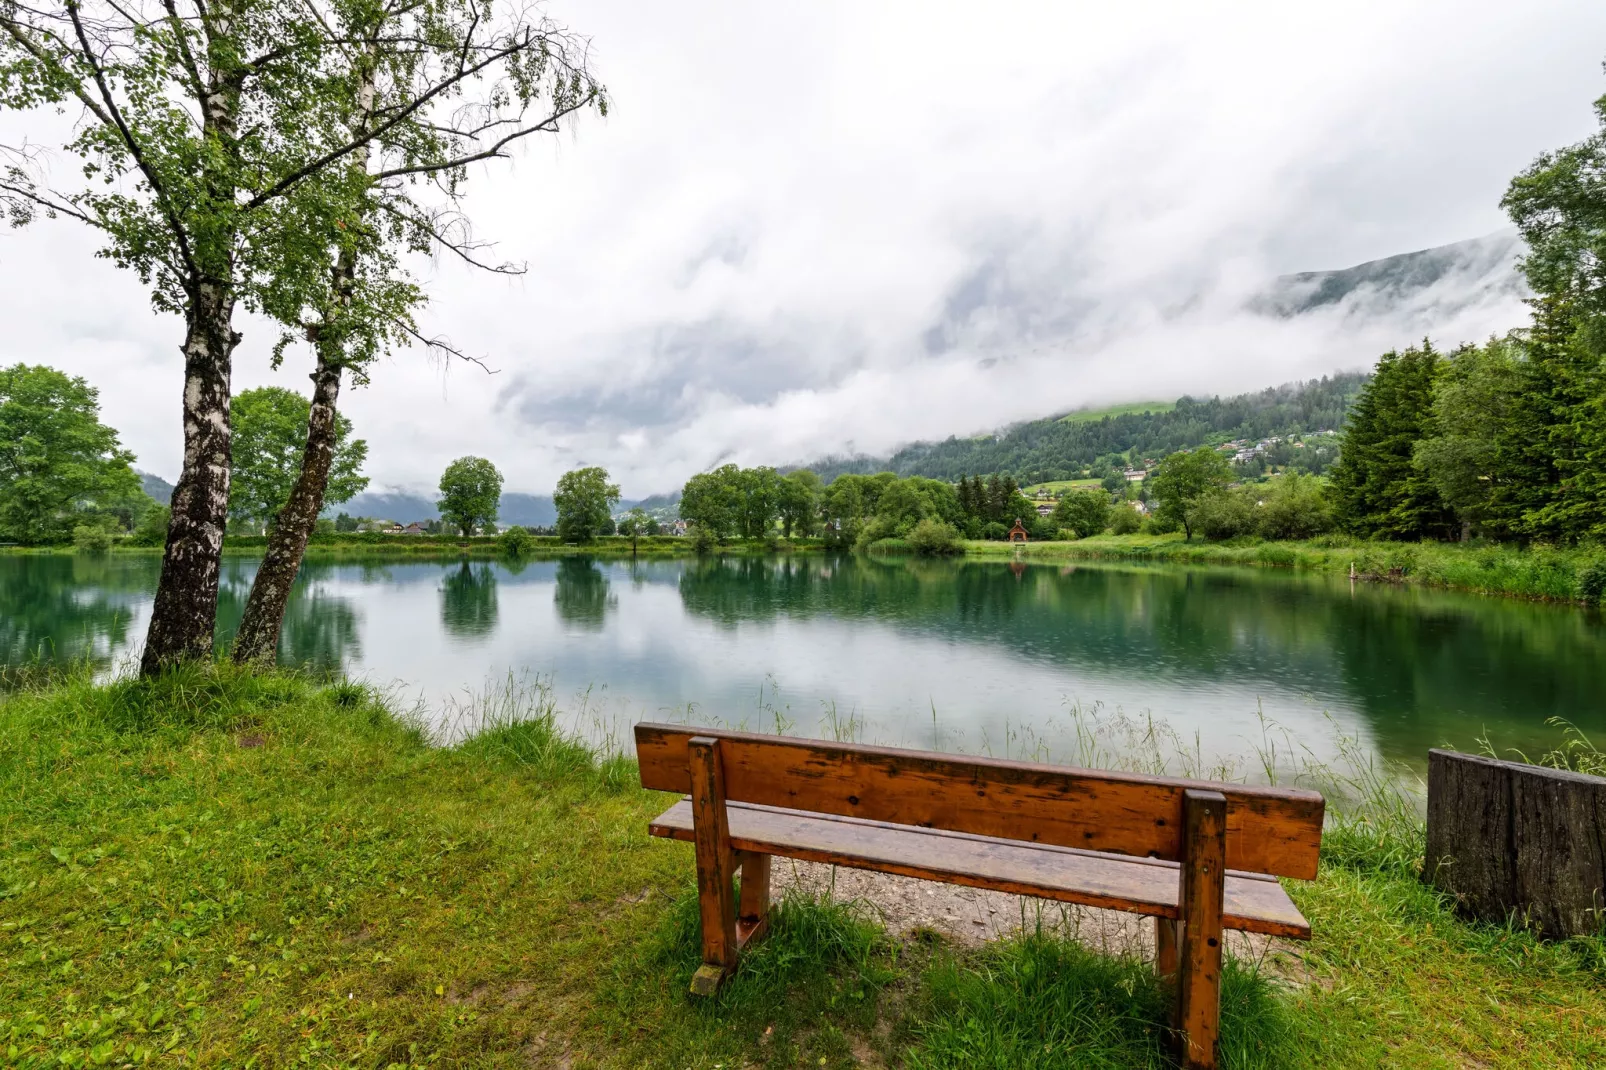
(1015, 659)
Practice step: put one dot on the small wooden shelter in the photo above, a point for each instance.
(1017, 533)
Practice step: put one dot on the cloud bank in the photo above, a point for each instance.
(846, 226)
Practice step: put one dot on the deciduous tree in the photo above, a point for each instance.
(471, 491)
(57, 460)
(585, 501)
(270, 438)
(1184, 478)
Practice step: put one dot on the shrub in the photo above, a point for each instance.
(994, 530)
(1084, 512)
(932, 536)
(1160, 524)
(1124, 520)
(1592, 582)
(152, 527)
(91, 539)
(1294, 506)
(1223, 516)
(515, 541)
(703, 539)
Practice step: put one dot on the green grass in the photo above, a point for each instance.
(220, 869)
(1087, 416)
(1540, 573)
(1060, 486)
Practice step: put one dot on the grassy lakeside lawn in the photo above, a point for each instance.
(218, 869)
(1535, 573)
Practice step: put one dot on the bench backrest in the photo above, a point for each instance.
(1269, 830)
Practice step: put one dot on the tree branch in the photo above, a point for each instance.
(47, 204)
(550, 124)
(127, 135)
(330, 157)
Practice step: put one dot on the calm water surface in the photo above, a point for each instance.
(975, 656)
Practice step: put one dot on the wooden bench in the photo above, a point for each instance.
(1197, 856)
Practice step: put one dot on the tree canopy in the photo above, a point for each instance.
(1182, 479)
(270, 434)
(585, 501)
(471, 491)
(58, 462)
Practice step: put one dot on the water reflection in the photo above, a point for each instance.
(1424, 667)
(991, 650)
(68, 608)
(582, 594)
(321, 629)
(468, 601)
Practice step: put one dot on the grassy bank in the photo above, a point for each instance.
(1555, 575)
(225, 870)
(486, 547)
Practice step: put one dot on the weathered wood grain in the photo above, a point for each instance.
(1204, 874)
(1270, 830)
(1507, 838)
(711, 836)
(1253, 902)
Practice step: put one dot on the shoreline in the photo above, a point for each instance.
(1536, 574)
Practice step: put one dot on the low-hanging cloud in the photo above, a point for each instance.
(843, 227)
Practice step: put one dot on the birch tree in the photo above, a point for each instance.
(433, 89)
(229, 160)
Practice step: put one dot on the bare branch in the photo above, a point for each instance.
(443, 346)
(549, 124)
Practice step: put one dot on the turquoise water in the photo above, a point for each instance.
(989, 657)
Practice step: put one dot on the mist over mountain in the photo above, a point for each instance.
(1438, 282)
(1430, 292)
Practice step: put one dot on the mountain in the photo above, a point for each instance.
(155, 486)
(1424, 289)
(1060, 447)
(1446, 279)
(529, 510)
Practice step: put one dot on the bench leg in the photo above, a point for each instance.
(715, 865)
(753, 908)
(1204, 822)
(1165, 946)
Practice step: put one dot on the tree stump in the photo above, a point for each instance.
(1507, 838)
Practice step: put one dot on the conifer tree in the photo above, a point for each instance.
(1380, 491)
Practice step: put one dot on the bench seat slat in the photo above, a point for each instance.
(1254, 902)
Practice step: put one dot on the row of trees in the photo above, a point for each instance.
(280, 157)
(1508, 439)
(63, 472)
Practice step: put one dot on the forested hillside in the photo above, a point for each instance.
(1061, 447)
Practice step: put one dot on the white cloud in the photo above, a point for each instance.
(814, 227)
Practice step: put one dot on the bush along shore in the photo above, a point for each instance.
(214, 868)
(1575, 575)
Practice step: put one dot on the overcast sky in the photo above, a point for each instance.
(812, 229)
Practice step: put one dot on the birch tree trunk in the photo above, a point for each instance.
(185, 612)
(258, 637)
(184, 615)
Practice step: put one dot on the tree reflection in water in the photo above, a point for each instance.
(583, 597)
(69, 608)
(468, 601)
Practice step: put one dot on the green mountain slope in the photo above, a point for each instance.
(1061, 446)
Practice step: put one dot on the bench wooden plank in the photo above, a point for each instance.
(1269, 830)
(1254, 902)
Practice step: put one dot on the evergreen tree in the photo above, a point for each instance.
(1380, 492)
(1559, 437)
